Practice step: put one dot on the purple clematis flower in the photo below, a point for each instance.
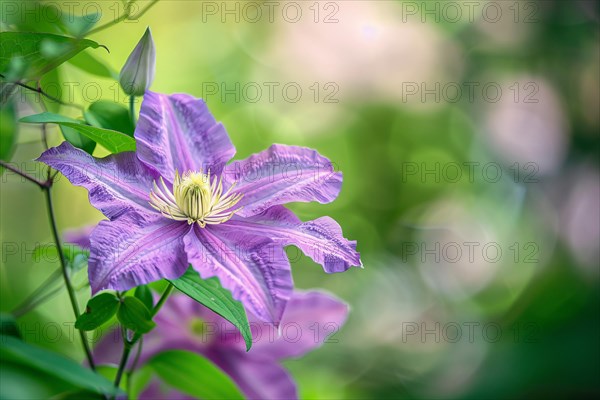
(174, 202)
(186, 325)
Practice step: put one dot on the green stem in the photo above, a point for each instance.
(131, 370)
(124, 357)
(33, 297)
(128, 344)
(31, 305)
(162, 299)
(126, 15)
(132, 108)
(65, 273)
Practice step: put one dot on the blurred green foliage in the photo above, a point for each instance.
(542, 332)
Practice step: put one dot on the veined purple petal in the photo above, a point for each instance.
(178, 132)
(283, 174)
(116, 184)
(136, 249)
(320, 239)
(253, 268)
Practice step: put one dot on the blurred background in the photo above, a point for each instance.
(468, 135)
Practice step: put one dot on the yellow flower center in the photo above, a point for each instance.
(195, 198)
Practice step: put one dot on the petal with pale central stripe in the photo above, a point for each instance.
(321, 239)
(178, 132)
(136, 249)
(253, 268)
(116, 184)
(283, 174)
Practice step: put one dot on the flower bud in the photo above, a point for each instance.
(138, 72)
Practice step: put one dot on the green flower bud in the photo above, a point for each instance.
(138, 72)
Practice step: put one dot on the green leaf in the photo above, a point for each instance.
(99, 310)
(139, 381)
(109, 115)
(78, 26)
(14, 350)
(211, 294)
(194, 375)
(51, 84)
(113, 141)
(110, 373)
(144, 294)
(39, 52)
(88, 63)
(8, 130)
(38, 18)
(78, 140)
(8, 325)
(134, 315)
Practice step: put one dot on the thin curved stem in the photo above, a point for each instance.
(65, 273)
(128, 344)
(131, 370)
(43, 185)
(123, 17)
(31, 306)
(46, 95)
(27, 304)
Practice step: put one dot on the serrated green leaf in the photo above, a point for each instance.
(88, 63)
(99, 310)
(109, 115)
(113, 141)
(211, 294)
(199, 378)
(39, 52)
(16, 351)
(134, 315)
(144, 294)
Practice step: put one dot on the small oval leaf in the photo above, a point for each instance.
(99, 310)
(134, 315)
(144, 293)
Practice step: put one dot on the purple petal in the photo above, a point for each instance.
(79, 236)
(136, 249)
(157, 390)
(282, 174)
(177, 132)
(116, 184)
(309, 319)
(258, 378)
(254, 269)
(321, 239)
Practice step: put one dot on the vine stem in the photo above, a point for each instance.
(34, 298)
(40, 91)
(123, 17)
(128, 344)
(65, 273)
(43, 185)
